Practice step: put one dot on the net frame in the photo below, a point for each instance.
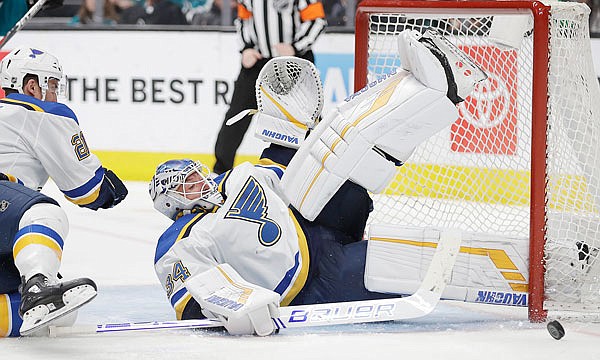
(541, 14)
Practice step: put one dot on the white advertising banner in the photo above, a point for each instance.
(165, 91)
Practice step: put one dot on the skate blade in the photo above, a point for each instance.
(32, 325)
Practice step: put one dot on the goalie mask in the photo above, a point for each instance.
(25, 61)
(182, 186)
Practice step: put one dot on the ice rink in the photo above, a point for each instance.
(116, 249)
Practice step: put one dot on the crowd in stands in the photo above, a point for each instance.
(168, 12)
(205, 12)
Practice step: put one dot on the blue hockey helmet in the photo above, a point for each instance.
(182, 186)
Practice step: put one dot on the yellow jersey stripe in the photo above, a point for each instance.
(181, 304)
(19, 102)
(303, 275)
(87, 199)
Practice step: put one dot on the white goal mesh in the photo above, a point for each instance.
(477, 174)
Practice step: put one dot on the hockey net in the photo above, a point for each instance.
(523, 159)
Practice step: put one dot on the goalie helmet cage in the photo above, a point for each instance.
(523, 159)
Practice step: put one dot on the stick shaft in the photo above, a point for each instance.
(24, 20)
(419, 304)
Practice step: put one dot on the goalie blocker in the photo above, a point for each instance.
(243, 308)
(378, 128)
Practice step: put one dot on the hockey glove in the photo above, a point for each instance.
(243, 308)
(116, 188)
(3, 177)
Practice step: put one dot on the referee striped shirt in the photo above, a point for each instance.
(261, 26)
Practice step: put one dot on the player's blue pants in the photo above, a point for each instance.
(15, 199)
(337, 267)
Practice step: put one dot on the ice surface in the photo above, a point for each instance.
(116, 248)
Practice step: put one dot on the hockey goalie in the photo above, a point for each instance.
(289, 230)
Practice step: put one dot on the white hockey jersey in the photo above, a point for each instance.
(254, 232)
(40, 139)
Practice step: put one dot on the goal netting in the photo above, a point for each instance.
(523, 159)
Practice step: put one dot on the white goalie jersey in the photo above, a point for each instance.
(253, 231)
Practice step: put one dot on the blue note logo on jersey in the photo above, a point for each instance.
(251, 205)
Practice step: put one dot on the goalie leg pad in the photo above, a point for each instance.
(488, 269)
(439, 64)
(394, 115)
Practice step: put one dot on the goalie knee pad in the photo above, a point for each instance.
(488, 269)
(387, 119)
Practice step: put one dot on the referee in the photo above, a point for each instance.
(266, 29)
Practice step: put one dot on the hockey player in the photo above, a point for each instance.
(41, 138)
(287, 231)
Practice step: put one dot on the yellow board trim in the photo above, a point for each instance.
(303, 275)
(5, 316)
(494, 186)
(36, 239)
(140, 166)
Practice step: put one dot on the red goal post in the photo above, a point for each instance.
(521, 161)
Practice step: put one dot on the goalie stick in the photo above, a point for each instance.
(24, 20)
(421, 303)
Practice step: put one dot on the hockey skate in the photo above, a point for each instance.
(43, 302)
(461, 71)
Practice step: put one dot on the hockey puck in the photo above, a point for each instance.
(555, 329)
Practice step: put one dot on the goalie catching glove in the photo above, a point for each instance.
(290, 100)
(242, 307)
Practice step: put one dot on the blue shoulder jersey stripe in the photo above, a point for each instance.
(179, 230)
(85, 188)
(34, 104)
(27, 106)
